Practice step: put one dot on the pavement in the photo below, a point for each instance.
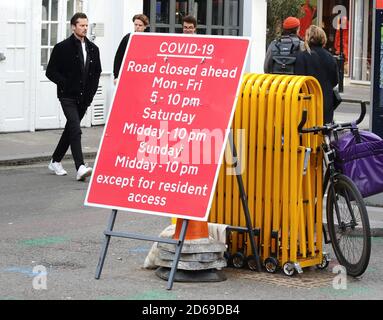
(24, 148)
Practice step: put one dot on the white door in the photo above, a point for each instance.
(47, 114)
(15, 65)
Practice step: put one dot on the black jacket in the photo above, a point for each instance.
(67, 70)
(321, 65)
(119, 57)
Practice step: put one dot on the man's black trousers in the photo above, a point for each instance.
(72, 132)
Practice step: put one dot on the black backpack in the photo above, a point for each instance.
(284, 54)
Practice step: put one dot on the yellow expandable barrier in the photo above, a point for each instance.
(282, 171)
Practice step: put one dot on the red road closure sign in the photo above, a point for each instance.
(167, 130)
(379, 4)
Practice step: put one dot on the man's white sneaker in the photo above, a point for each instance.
(57, 168)
(83, 172)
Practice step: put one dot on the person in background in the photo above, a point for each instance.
(75, 68)
(189, 25)
(291, 27)
(316, 61)
(141, 22)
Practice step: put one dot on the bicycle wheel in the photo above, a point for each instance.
(351, 236)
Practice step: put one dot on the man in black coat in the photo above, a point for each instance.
(75, 68)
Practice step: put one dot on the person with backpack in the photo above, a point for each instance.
(282, 52)
(316, 61)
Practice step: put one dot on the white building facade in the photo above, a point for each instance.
(29, 29)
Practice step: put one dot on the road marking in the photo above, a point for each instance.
(44, 241)
(24, 270)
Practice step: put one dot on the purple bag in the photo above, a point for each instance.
(359, 155)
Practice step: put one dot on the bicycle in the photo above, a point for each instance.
(347, 219)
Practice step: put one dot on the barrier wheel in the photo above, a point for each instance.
(289, 269)
(271, 265)
(324, 264)
(238, 260)
(252, 263)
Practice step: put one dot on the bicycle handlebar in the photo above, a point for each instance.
(363, 110)
(331, 126)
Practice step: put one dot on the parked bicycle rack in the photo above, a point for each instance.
(282, 175)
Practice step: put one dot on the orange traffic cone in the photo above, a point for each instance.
(196, 230)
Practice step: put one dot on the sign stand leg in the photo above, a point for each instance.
(177, 254)
(105, 246)
(245, 205)
(109, 233)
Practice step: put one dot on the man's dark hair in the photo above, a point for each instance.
(190, 19)
(78, 15)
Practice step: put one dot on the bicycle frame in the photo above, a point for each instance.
(329, 157)
(330, 176)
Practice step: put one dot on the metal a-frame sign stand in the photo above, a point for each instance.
(110, 233)
(179, 243)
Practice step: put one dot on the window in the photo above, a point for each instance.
(234, 13)
(70, 11)
(218, 12)
(361, 40)
(49, 29)
(226, 13)
(162, 11)
(218, 32)
(199, 11)
(163, 30)
(52, 23)
(181, 10)
(218, 17)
